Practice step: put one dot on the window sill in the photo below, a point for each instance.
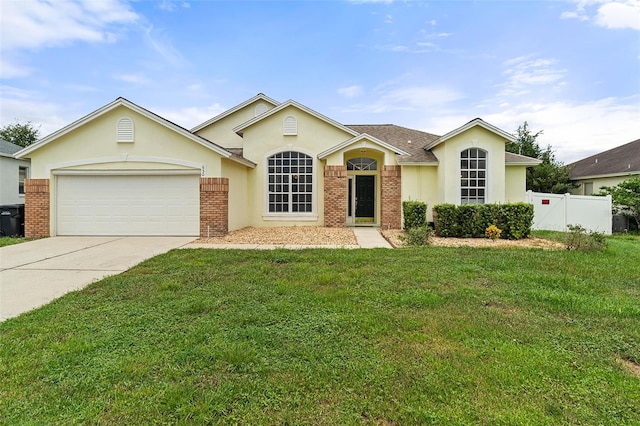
(288, 217)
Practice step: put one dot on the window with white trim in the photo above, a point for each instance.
(473, 176)
(23, 173)
(362, 163)
(290, 126)
(124, 130)
(290, 183)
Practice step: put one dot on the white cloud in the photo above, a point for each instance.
(190, 117)
(24, 105)
(163, 45)
(524, 72)
(350, 91)
(609, 14)
(620, 15)
(35, 24)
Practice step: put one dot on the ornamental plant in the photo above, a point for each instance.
(493, 232)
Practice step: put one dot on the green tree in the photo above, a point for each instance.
(625, 198)
(22, 134)
(549, 176)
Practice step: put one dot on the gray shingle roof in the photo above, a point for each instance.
(7, 149)
(616, 161)
(409, 140)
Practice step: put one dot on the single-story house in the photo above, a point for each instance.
(13, 173)
(123, 170)
(607, 168)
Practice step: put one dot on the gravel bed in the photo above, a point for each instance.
(392, 235)
(289, 235)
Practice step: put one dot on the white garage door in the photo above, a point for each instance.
(128, 205)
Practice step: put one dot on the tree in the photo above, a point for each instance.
(22, 134)
(625, 198)
(549, 176)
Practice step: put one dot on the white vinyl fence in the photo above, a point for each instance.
(554, 212)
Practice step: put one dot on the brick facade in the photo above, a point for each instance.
(214, 207)
(36, 208)
(391, 197)
(335, 196)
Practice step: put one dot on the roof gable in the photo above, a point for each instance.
(240, 129)
(360, 138)
(409, 140)
(258, 97)
(621, 160)
(142, 111)
(473, 123)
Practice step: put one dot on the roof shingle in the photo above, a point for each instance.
(619, 160)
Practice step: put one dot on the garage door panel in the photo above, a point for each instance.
(128, 205)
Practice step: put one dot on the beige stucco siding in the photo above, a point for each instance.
(95, 144)
(266, 138)
(448, 153)
(515, 184)
(221, 132)
(598, 183)
(419, 183)
(239, 194)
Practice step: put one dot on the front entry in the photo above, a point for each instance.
(361, 204)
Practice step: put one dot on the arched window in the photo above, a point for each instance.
(290, 126)
(124, 130)
(259, 109)
(290, 183)
(473, 176)
(362, 163)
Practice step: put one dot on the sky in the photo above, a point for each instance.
(571, 69)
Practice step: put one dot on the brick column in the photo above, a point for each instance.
(335, 196)
(214, 207)
(391, 197)
(36, 208)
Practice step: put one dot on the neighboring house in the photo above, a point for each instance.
(123, 170)
(607, 168)
(12, 174)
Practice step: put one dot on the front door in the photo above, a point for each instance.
(365, 190)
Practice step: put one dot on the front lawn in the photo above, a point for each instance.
(412, 336)
(9, 241)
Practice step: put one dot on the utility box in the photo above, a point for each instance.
(12, 220)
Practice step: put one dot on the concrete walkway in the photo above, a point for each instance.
(36, 272)
(367, 237)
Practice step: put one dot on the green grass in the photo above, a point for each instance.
(9, 241)
(410, 336)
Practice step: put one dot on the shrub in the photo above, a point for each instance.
(472, 220)
(579, 239)
(445, 218)
(418, 236)
(493, 232)
(415, 214)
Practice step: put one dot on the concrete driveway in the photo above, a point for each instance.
(34, 273)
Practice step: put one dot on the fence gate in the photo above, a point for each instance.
(554, 212)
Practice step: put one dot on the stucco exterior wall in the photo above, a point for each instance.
(448, 154)
(419, 183)
(95, 144)
(598, 183)
(9, 168)
(239, 194)
(266, 138)
(515, 184)
(221, 132)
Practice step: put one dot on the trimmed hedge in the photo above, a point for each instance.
(415, 214)
(471, 220)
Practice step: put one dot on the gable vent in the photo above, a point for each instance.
(260, 109)
(290, 126)
(124, 132)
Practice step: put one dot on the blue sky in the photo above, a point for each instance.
(569, 68)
